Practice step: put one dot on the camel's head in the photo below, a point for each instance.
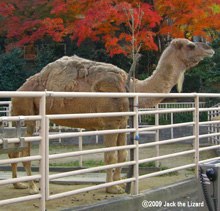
(191, 53)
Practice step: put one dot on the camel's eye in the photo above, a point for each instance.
(191, 46)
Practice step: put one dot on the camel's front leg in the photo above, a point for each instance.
(27, 165)
(110, 158)
(17, 185)
(122, 157)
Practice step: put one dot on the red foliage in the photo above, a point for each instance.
(187, 18)
(108, 21)
(26, 21)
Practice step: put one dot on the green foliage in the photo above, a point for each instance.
(12, 70)
(143, 76)
(146, 65)
(2, 48)
(150, 120)
(174, 173)
(89, 163)
(150, 164)
(177, 118)
(46, 54)
(182, 117)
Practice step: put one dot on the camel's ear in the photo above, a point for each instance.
(178, 43)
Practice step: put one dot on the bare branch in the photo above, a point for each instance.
(127, 85)
(126, 13)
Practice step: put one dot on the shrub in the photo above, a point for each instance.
(45, 56)
(12, 70)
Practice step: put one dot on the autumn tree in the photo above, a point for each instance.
(186, 18)
(108, 21)
(27, 21)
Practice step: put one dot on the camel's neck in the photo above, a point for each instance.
(163, 79)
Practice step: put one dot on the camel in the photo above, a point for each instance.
(75, 74)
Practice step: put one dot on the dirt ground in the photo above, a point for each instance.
(7, 191)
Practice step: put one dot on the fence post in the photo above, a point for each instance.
(196, 133)
(136, 150)
(60, 131)
(42, 149)
(157, 136)
(9, 112)
(171, 122)
(80, 148)
(130, 142)
(47, 161)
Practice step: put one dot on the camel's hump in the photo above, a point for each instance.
(64, 73)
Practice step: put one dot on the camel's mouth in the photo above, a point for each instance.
(205, 49)
(209, 53)
(196, 60)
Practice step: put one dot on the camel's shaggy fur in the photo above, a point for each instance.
(74, 74)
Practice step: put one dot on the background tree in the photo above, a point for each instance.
(12, 74)
(187, 18)
(108, 21)
(26, 21)
(22, 20)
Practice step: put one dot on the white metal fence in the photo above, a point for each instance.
(6, 111)
(169, 116)
(44, 139)
(215, 127)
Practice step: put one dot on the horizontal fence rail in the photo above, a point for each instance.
(44, 138)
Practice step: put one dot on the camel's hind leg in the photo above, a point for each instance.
(26, 106)
(17, 185)
(110, 158)
(122, 157)
(27, 165)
